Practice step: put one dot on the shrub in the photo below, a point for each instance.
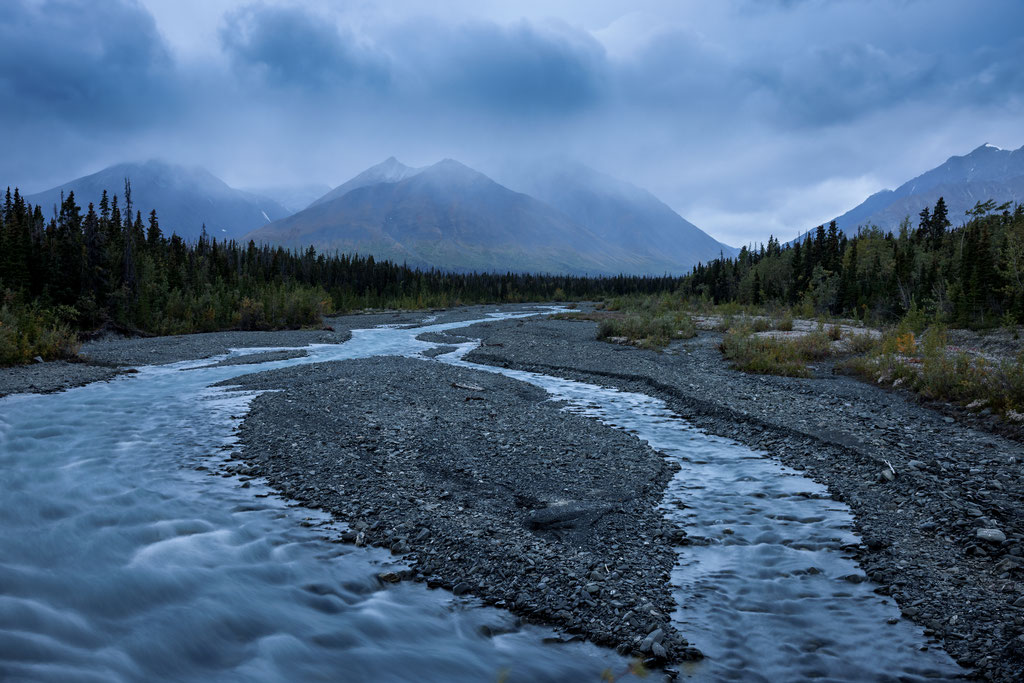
(763, 356)
(915, 320)
(861, 342)
(648, 330)
(943, 376)
(27, 331)
(906, 344)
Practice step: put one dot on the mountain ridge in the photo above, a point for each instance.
(184, 197)
(449, 215)
(987, 172)
(619, 211)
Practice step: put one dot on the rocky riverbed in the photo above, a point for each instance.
(489, 490)
(939, 503)
(484, 486)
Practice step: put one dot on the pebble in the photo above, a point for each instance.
(991, 535)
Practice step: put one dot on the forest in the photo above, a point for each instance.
(971, 275)
(107, 267)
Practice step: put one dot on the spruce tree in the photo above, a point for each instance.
(939, 223)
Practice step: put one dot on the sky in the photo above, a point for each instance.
(749, 117)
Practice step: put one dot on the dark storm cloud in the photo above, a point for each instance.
(294, 48)
(99, 64)
(508, 70)
(747, 116)
(818, 80)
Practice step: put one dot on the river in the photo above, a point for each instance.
(124, 559)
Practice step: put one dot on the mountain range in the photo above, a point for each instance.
(556, 217)
(570, 219)
(185, 198)
(566, 218)
(986, 173)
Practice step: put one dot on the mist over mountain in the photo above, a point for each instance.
(391, 170)
(618, 212)
(184, 198)
(986, 173)
(451, 216)
(446, 216)
(292, 197)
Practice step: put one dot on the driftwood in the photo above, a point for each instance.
(467, 387)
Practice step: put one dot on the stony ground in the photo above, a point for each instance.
(938, 497)
(943, 526)
(486, 488)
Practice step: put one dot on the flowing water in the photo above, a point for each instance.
(122, 558)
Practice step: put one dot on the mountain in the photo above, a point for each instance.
(292, 197)
(620, 213)
(986, 173)
(184, 198)
(570, 219)
(391, 170)
(447, 216)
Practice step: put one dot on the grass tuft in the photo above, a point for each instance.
(648, 322)
(764, 356)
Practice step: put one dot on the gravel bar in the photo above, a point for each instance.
(484, 486)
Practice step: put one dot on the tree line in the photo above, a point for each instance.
(107, 265)
(971, 275)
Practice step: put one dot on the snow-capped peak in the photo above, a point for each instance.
(992, 147)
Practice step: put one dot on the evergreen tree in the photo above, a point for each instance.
(939, 223)
(153, 235)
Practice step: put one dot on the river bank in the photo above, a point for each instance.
(112, 355)
(938, 503)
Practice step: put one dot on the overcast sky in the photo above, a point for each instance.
(749, 117)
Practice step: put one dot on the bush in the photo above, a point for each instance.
(862, 342)
(648, 330)
(763, 356)
(915, 320)
(940, 375)
(27, 331)
(812, 346)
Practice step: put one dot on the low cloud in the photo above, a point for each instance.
(96, 65)
(747, 117)
(292, 48)
(520, 69)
